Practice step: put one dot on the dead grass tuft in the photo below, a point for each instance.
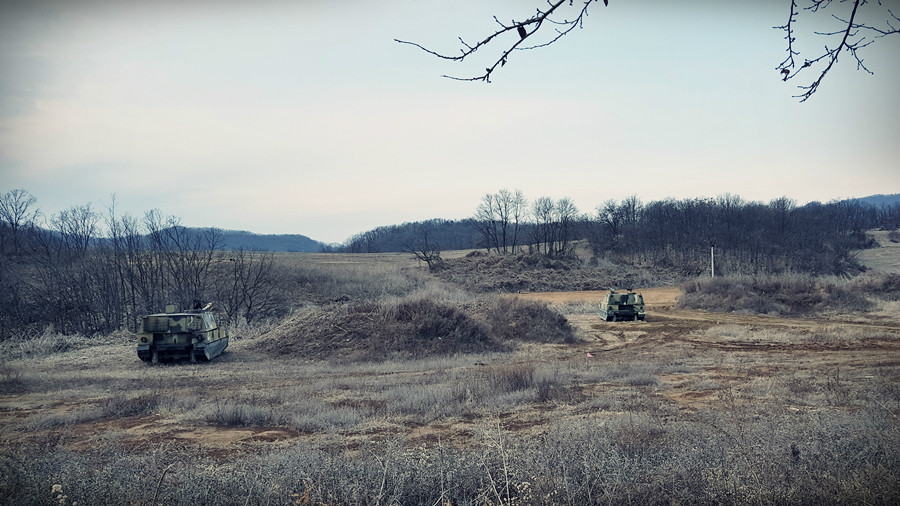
(235, 413)
(49, 342)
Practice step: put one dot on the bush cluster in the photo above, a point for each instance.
(524, 320)
(886, 286)
(785, 295)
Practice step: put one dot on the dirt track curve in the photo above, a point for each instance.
(665, 322)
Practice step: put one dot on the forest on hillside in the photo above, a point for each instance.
(750, 237)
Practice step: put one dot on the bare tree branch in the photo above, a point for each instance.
(852, 40)
(524, 30)
(854, 34)
(788, 62)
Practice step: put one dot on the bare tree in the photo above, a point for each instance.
(184, 254)
(247, 287)
(66, 280)
(609, 214)
(76, 227)
(860, 23)
(615, 220)
(18, 212)
(542, 233)
(425, 250)
(566, 215)
(139, 284)
(553, 230)
(499, 219)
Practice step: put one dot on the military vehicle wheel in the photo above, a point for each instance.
(154, 356)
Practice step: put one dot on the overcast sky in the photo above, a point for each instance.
(306, 117)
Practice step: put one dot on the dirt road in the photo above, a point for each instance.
(654, 298)
(660, 303)
(667, 324)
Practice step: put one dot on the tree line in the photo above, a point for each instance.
(88, 271)
(748, 237)
(443, 234)
(91, 271)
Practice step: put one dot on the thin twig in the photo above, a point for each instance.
(158, 483)
(524, 29)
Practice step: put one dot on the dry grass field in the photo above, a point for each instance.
(687, 407)
(886, 257)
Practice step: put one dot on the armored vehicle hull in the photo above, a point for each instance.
(189, 335)
(622, 306)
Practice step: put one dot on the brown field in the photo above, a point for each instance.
(689, 406)
(885, 258)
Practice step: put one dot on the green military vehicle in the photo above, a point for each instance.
(191, 334)
(622, 306)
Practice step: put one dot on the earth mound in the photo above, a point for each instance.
(413, 327)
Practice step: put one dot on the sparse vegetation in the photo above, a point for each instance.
(667, 424)
(886, 286)
(92, 272)
(385, 383)
(538, 273)
(785, 295)
(418, 325)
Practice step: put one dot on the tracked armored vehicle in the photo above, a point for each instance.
(622, 306)
(192, 335)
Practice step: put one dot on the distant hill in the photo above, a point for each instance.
(880, 200)
(237, 239)
(445, 234)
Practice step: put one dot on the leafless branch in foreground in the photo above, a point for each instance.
(854, 36)
(548, 17)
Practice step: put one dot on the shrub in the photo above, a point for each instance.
(524, 320)
(49, 342)
(231, 413)
(11, 380)
(433, 320)
(787, 295)
(509, 378)
(886, 286)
